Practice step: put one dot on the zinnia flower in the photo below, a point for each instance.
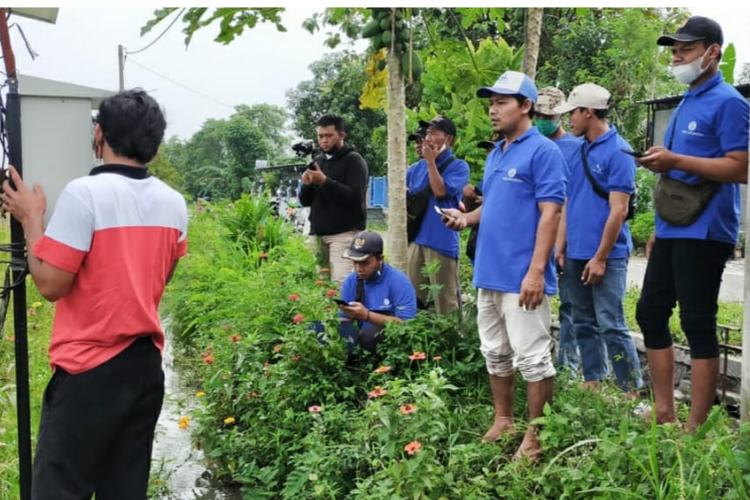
(407, 409)
(418, 356)
(332, 292)
(296, 357)
(325, 270)
(235, 338)
(229, 420)
(298, 319)
(320, 282)
(413, 447)
(263, 256)
(315, 409)
(377, 392)
(437, 358)
(293, 296)
(277, 348)
(382, 369)
(208, 359)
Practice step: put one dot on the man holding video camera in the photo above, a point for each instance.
(334, 187)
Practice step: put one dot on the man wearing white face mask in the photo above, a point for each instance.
(705, 146)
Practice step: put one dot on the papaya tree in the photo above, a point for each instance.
(532, 36)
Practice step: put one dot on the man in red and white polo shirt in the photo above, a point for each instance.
(111, 246)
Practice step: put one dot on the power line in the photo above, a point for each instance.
(182, 86)
(162, 34)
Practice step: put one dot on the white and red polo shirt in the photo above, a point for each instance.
(120, 231)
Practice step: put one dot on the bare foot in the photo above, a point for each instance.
(501, 427)
(530, 449)
(591, 385)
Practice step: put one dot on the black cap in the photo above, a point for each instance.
(440, 122)
(420, 133)
(696, 28)
(364, 245)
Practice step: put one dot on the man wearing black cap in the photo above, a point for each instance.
(706, 145)
(444, 177)
(376, 293)
(418, 137)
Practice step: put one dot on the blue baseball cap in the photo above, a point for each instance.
(511, 83)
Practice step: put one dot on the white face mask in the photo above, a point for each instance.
(688, 73)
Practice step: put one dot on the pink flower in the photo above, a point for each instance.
(315, 409)
(208, 359)
(377, 392)
(235, 338)
(298, 319)
(263, 256)
(382, 369)
(294, 296)
(407, 409)
(332, 292)
(320, 282)
(418, 356)
(413, 447)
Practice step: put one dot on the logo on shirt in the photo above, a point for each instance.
(598, 169)
(691, 129)
(692, 126)
(512, 173)
(511, 176)
(386, 302)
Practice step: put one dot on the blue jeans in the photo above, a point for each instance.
(567, 353)
(598, 314)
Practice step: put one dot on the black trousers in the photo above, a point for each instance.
(687, 272)
(97, 428)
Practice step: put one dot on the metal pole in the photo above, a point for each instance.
(121, 64)
(745, 387)
(18, 268)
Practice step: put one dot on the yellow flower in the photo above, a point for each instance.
(200, 394)
(183, 425)
(36, 305)
(229, 420)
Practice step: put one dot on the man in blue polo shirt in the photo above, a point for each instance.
(376, 293)
(524, 189)
(707, 139)
(597, 241)
(445, 176)
(549, 124)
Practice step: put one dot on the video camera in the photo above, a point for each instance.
(304, 149)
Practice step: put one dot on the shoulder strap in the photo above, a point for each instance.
(441, 168)
(597, 188)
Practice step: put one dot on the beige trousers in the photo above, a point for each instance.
(448, 299)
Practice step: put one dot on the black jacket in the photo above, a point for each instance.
(338, 205)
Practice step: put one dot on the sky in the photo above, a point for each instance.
(206, 79)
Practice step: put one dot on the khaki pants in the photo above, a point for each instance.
(448, 299)
(331, 249)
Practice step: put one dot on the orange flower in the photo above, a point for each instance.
(296, 357)
(229, 420)
(377, 392)
(227, 327)
(325, 270)
(235, 338)
(298, 319)
(413, 447)
(277, 348)
(315, 409)
(184, 422)
(12, 338)
(437, 358)
(263, 256)
(320, 282)
(332, 292)
(293, 296)
(255, 395)
(382, 369)
(418, 356)
(208, 359)
(407, 409)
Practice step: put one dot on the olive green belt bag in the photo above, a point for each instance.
(681, 203)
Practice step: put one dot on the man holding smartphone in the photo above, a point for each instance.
(445, 176)
(374, 294)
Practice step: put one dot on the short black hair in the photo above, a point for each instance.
(133, 124)
(328, 120)
(599, 113)
(522, 99)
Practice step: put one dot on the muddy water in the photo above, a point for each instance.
(181, 465)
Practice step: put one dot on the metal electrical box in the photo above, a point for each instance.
(57, 133)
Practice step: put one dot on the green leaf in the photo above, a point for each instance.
(159, 16)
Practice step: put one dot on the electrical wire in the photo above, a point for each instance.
(158, 37)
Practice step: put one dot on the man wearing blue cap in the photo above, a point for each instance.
(524, 190)
(706, 146)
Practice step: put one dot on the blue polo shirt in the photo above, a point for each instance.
(587, 212)
(392, 293)
(710, 122)
(531, 170)
(433, 233)
(570, 147)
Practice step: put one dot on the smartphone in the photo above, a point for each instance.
(441, 213)
(635, 154)
(340, 302)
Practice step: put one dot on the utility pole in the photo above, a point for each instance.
(18, 268)
(121, 64)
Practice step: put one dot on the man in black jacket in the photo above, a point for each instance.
(335, 192)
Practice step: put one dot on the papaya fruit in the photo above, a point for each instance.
(381, 65)
(371, 29)
(385, 24)
(416, 65)
(386, 37)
